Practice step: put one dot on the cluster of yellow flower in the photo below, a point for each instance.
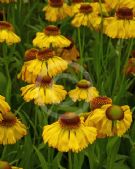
(115, 18)
(42, 64)
(73, 132)
(51, 57)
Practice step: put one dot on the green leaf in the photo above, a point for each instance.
(112, 151)
(42, 160)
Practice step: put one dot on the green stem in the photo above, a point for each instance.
(69, 160)
(4, 152)
(81, 48)
(118, 64)
(9, 84)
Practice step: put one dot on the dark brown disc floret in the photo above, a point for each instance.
(86, 8)
(56, 3)
(9, 120)
(69, 120)
(124, 13)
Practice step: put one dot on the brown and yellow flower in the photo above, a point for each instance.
(87, 16)
(56, 10)
(110, 120)
(50, 37)
(7, 33)
(83, 91)
(122, 24)
(45, 63)
(69, 133)
(11, 129)
(44, 91)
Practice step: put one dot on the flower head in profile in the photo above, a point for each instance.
(69, 133)
(4, 106)
(69, 53)
(45, 63)
(87, 16)
(6, 165)
(83, 91)
(44, 91)
(11, 129)
(56, 10)
(122, 24)
(50, 37)
(7, 33)
(110, 120)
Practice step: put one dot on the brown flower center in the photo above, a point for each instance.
(6, 25)
(56, 3)
(114, 113)
(86, 8)
(124, 13)
(44, 81)
(30, 54)
(9, 120)
(52, 30)
(4, 165)
(84, 84)
(69, 120)
(45, 54)
(98, 102)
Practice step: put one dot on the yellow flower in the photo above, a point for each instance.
(87, 16)
(44, 91)
(6, 165)
(111, 120)
(7, 33)
(50, 37)
(4, 106)
(83, 91)
(69, 134)
(122, 24)
(56, 10)
(69, 53)
(46, 63)
(11, 129)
